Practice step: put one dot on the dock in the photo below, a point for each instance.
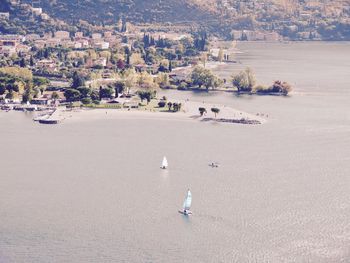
(50, 118)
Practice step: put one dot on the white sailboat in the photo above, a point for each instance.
(164, 163)
(187, 204)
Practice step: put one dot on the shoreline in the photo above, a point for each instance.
(189, 112)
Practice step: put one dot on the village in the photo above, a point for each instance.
(60, 68)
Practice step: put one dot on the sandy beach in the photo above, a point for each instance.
(189, 112)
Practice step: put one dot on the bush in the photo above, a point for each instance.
(86, 101)
(244, 80)
(278, 87)
(261, 89)
(161, 104)
(182, 86)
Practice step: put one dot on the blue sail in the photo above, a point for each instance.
(188, 201)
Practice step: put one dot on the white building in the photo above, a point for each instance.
(4, 15)
(38, 11)
(101, 45)
(96, 36)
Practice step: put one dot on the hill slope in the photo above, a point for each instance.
(294, 19)
(109, 11)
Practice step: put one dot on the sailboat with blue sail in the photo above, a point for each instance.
(187, 204)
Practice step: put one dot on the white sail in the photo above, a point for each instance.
(188, 201)
(165, 163)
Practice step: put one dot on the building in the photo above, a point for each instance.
(37, 10)
(18, 38)
(107, 34)
(8, 47)
(101, 62)
(32, 37)
(82, 43)
(62, 35)
(44, 16)
(101, 45)
(79, 35)
(96, 36)
(4, 15)
(46, 64)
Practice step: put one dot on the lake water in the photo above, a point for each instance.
(92, 190)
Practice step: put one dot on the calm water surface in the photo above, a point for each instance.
(92, 190)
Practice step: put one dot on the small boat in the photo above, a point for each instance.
(164, 163)
(214, 165)
(187, 204)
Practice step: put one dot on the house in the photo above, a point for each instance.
(24, 49)
(107, 74)
(32, 37)
(79, 35)
(82, 43)
(96, 36)
(101, 62)
(78, 45)
(17, 38)
(44, 16)
(62, 35)
(37, 10)
(180, 75)
(53, 42)
(46, 64)
(107, 34)
(101, 45)
(4, 15)
(8, 47)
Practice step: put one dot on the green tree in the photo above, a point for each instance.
(78, 81)
(36, 92)
(85, 92)
(86, 101)
(170, 104)
(146, 95)
(31, 61)
(106, 92)
(215, 111)
(281, 87)
(28, 94)
(55, 96)
(22, 63)
(37, 81)
(10, 95)
(120, 87)
(161, 104)
(95, 95)
(244, 80)
(2, 88)
(204, 77)
(202, 110)
(72, 95)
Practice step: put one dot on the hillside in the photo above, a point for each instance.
(292, 19)
(137, 11)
